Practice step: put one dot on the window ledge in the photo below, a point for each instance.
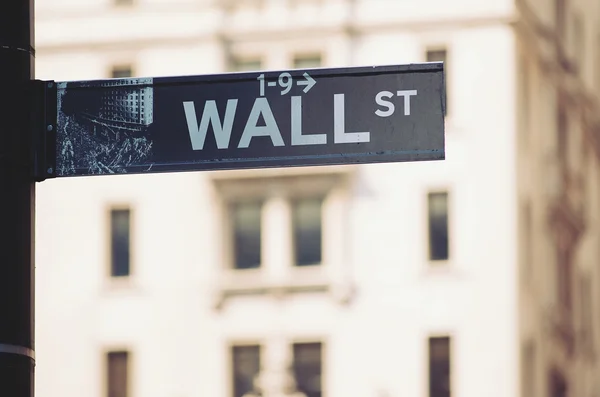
(439, 268)
(295, 181)
(118, 285)
(314, 280)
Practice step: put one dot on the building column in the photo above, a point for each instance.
(277, 240)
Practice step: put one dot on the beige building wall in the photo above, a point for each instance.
(558, 196)
(376, 298)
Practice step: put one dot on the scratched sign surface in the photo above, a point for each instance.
(251, 120)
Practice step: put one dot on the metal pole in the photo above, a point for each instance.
(17, 199)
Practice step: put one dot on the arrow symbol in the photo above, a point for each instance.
(309, 82)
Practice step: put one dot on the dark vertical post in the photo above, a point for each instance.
(17, 199)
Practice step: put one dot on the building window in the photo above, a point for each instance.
(121, 3)
(307, 231)
(121, 71)
(308, 367)
(438, 226)
(439, 367)
(247, 225)
(117, 374)
(245, 64)
(307, 61)
(274, 226)
(440, 55)
(246, 366)
(120, 229)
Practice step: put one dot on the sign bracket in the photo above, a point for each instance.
(44, 124)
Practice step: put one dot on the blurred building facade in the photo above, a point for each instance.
(476, 276)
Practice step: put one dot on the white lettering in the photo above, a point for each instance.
(210, 115)
(261, 106)
(382, 102)
(407, 94)
(297, 137)
(339, 129)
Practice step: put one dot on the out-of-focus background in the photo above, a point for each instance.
(477, 276)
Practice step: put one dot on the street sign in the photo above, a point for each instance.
(249, 120)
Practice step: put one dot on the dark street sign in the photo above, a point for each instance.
(250, 120)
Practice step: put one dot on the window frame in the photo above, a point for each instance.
(121, 66)
(231, 234)
(262, 347)
(451, 355)
(237, 59)
(109, 243)
(429, 48)
(106, 369)
(305, 55)
(292, 202)
(281, 277)
(437, 263)
(323, 363)
(123, 3)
